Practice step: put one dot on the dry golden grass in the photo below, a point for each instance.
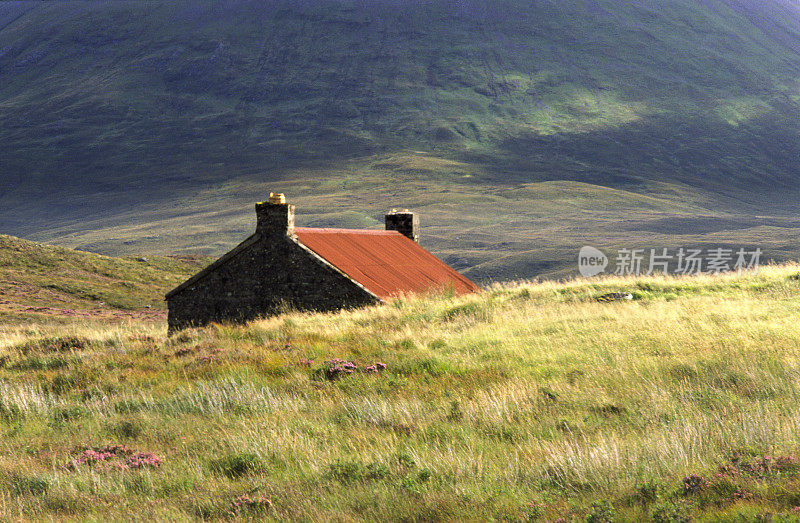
(530, 400)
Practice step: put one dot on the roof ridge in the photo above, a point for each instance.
(342, 230)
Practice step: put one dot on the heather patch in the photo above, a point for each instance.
(338, 368)
(184, 351)
(112, 457)
(762, 465)
(55, 344)
(693, 484)
(248, 505)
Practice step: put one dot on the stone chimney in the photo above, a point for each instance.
(405, 222)
(275, 216)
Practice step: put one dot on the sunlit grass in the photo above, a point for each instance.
(529, 399)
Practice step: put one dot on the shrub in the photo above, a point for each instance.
(345, 471)
(763, 465)
(601, 511)
(41, 363)
(141, 460)
(455, 413)
(56, 344)
(375, 471)
(466, 310)
(35, 485)
(10, 412)
(184, 351)
(405, 460)
(338, 368)
(76, 379)
(354, 471)
(533, 512)
(724, 487)
(670, 512)
(693, 484)
(62, 503)
(238, 464)
(130, 429)
(647, 493)
(246, 505)
(67, 414)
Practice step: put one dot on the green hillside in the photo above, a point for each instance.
(527, 402)
(42, 283)
(520, 130)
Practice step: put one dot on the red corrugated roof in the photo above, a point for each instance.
(385, 262)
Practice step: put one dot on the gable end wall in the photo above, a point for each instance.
(266, 278)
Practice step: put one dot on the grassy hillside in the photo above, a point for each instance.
(44, 282)
(149, 127)
(529, 401)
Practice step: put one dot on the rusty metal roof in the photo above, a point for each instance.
(385, 262)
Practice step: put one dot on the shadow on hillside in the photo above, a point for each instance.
(753, 165)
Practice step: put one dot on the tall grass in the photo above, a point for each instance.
(529, 400)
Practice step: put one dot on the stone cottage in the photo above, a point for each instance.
(284, 267)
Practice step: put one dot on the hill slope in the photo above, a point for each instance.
(164, 118)
(525, 402)
(55, 282)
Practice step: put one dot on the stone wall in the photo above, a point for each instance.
(267, 277)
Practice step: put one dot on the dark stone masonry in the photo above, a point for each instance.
(264, 275)
(405, 222)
